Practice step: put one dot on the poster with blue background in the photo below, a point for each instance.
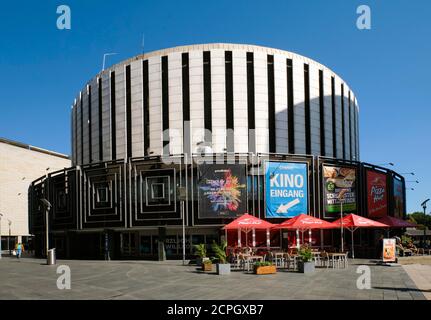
(286, 189)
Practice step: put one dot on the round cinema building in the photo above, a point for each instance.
(195, 136)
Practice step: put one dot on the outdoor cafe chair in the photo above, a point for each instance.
(290, 261)
(339, 260)
(325, 259)
(236, 263)
(277, 258)
(316, 258)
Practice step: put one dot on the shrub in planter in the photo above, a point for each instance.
(201, 252)
(265, 267)
(306, 263)
(223, 267)
(207, 265)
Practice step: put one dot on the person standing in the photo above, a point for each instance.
(19, 250)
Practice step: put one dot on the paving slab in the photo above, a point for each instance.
(31, 279)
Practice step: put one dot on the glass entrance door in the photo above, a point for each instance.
(128, 244)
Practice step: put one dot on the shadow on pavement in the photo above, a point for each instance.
(402, 289)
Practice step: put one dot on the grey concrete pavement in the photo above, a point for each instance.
(421, 276)
(31, 279)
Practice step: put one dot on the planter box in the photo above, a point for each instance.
(199, 260)
(207, 267)
(223, 268)
(306, 267)
(265, 270)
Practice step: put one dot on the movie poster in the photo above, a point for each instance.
(398, 193)
(286, 189)
(339, 184)
(222, 190)
(376, 194)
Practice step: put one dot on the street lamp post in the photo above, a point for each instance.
(104, 58)
(47, 206)
(411, 173)
(342, 227)
(341, 198)
(386, 164)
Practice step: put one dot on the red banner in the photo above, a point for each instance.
(376, 194)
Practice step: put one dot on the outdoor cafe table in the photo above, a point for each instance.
(334, 255)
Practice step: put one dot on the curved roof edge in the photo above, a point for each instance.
(209, 46)
(216, 45)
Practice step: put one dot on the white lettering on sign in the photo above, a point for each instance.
(287, 193)
(377, 192)
(287, 180)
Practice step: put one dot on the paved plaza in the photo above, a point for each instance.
(30, 279)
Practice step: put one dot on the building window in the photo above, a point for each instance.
(165, 104)
(229, 102)
(250, 103)
(102, 197)
(334, 128)
(343, 124)
(271, 103)
(90, 143)
(99, 83)
(146, 106)
(186, 102)
(81, 105)
(207, 96)
(128, 113)
(350, 129)
(290, 111)
(113, 125)
(355, 123)
(307, 108)
(158, 191)
(75, 111)
(322, 114)
(102, 194)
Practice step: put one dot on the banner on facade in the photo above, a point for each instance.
(339, 184)
(398, 192)
(376, 194)
(222, 190)
(389, 250)
(286, 189)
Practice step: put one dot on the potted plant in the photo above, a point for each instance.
(201, 252)
(223, 267)
(207, 265)
(264, 267)
(305, 263)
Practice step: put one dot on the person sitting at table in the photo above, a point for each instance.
(412, 247)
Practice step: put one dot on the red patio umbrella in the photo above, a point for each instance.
(248, 222)
(304, 222)
(353, 222)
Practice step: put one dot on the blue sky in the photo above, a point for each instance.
(388, 67)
